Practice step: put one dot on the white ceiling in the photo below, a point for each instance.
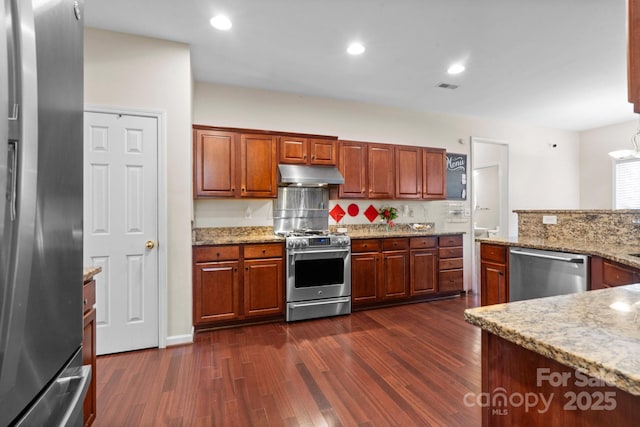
(551, 63)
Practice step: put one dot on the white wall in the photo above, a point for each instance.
(147, 74)
(595, 164)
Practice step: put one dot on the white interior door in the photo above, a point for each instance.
(121, 227)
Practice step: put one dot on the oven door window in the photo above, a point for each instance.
(319, 272)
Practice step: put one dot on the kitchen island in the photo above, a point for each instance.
(563, 360)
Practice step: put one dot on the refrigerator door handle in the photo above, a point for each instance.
(80, 384)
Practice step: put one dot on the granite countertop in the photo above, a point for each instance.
(614, 252)
(238, 235)
(596, 332)
(89, 272)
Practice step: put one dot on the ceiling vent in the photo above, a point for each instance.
(447, 86)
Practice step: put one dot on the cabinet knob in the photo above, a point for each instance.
(243, 190)
(233, 190)
(85, 301)
(218, 254)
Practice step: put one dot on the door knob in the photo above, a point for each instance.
(150, 244)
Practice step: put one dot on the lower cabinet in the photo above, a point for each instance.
(494, 274)
(221, 295)
(450, 264)
(392, 270)
(607, 274)
(89, 349)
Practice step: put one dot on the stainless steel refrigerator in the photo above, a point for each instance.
(42, 380)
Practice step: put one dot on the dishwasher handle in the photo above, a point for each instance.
(553, 257)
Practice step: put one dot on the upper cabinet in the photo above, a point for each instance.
(234, 164)
(633, 52)
(353, 166)
(381, 171)
(408, 172)
(308, 151)
(434, 174)
(214, 163)
(385, 171)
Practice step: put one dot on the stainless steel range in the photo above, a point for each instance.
(318, 276)
(318, 264)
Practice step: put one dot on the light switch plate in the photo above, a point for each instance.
(549, 219)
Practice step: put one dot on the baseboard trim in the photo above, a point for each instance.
(180, 339)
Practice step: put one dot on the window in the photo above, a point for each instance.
(626, 184)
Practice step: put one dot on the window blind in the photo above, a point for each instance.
(627, 184)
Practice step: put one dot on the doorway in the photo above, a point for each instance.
(490, 195)
(122, 232)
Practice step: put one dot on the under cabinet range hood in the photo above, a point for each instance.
(309, 175)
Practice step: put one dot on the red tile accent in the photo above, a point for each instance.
(371, 213)
(337, 213)
(353, 209)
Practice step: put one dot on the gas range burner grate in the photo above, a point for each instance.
(307, 232)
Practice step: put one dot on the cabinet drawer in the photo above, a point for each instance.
(88, 296)
(493, 253)
(450, 264)
(423, 242)
(615, 275)
(395, 244)
(366, 245)
(450, 280)
(450, 240)
(273, 250)
(216, 253)
(450, 252)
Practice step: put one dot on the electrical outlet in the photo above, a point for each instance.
(549, 219)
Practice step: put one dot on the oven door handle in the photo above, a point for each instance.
(329, 251)
(322, 302)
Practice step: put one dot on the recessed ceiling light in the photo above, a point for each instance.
(355, 49)
(221, 22)
(456, 69)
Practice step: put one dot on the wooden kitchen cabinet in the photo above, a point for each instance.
(366, 264)
(423, 262)
(223, 296)
(450, 263)
(353, 166)
(395, 268)
(89, 349)
(434, 174)
(494, 274)
(258, 163)
(308, 151)
(408, 172)
(263, 280)
(607, 274)
(380, 171)
(234, 164)
(214, 163)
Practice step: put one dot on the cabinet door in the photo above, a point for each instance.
(323, 152)
(365, 272)
(408, 172)
(258, 166)
(263, 285)
(214, 163)
(353, 166)
(216, 292)
(618, 275)
(494, 283)
(89, 358)
(434, 173)
(293, 150)
(381, 176)
(424, 279)
(396, 274)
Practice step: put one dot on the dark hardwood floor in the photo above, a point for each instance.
(400, 366)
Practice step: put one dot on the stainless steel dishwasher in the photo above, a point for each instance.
(536, 273)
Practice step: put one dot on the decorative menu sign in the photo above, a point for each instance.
(456, 176)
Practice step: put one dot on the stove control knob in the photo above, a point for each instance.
(304, 243)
